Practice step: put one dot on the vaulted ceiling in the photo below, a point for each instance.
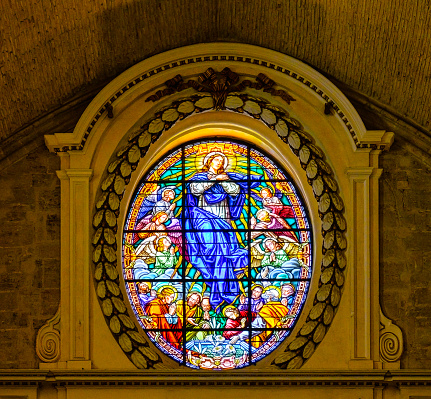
(56, 51)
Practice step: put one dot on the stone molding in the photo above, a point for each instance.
(65, 118)
(218, 54)
(390, 342)
(319, 176)
(102, 378)
(74, 275)
(355, 169)
(48, 339)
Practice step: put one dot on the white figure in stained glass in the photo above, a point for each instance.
(219, 233)
(214, 165)
(214, 197)
(274, 204)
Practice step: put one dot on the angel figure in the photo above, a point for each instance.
(166, 258)
(155, 206)
(277, 258)
(155, 258)
(157, 227)
(274, 205)
(268, 223)
(159, 200)
(154, 226)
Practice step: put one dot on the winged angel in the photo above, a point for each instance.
(279, 259)
(158, 237)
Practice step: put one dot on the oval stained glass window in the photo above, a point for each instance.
(217, 254)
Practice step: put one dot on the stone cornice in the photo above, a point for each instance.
(102, 378)
(29, 137)
(375, 114)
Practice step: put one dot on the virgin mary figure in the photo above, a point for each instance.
(214, 199)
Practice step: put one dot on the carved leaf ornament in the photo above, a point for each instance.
(318, 173)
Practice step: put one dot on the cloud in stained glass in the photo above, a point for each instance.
(217, 254)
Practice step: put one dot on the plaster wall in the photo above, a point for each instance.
(30, 252)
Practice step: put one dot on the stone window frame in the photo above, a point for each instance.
(69, 339)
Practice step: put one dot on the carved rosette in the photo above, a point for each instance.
(48, 340)
(318, 173)
(391, 340)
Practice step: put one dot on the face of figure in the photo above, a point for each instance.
(143, 288)
(271, 245)
(262, 216)
(163, 218)
(232, 314)
(286, 291)
(265, 193)
(193, 300)
(256, 293)
(169, 299)
(166, 244)
(217, 163)
(168, 195)
(206, 305)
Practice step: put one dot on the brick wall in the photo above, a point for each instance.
(405, 251)
(29, 254)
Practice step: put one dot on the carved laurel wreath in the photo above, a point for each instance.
(319, 176)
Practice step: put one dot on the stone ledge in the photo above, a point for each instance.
(335, 378)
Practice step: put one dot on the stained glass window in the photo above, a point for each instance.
(217, 254)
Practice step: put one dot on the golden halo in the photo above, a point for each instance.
(210, 154)
(229, 161)
(147, 283)
(194, 292)
(256, 285)
(227, 308)
(272, 287)
(159, 290)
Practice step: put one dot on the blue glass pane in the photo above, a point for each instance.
(217, 254)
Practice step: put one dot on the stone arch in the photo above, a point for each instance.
(339, 155)
(319, 175)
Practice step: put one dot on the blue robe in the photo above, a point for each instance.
(212, 249)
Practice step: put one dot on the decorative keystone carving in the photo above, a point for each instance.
(48, 340)
(219, 85)
(391, 340)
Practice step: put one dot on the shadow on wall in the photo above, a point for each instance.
(405, 250)
(29, 254)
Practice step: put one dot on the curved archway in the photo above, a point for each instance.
(323, 149)
(319, 175)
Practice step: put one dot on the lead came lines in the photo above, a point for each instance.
(246, 233)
